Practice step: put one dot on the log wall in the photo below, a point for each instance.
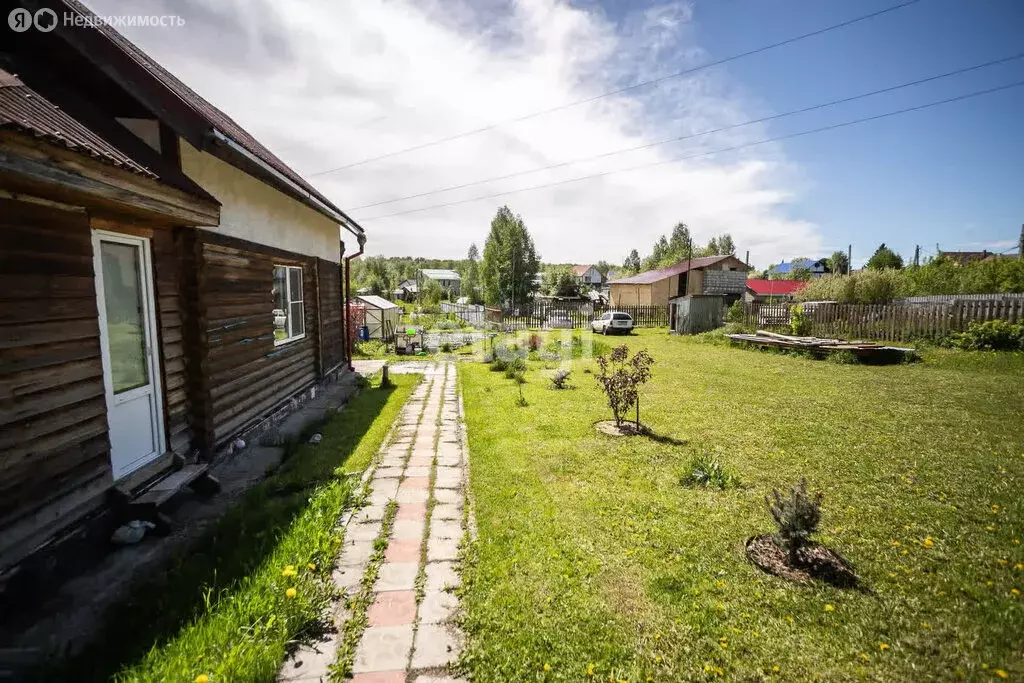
(53, 429)
(244, 375)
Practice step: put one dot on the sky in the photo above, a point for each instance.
(327, 85)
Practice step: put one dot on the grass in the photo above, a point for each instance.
(222, 608)
(592, 557)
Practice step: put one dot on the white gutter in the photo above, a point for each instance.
(335, 215)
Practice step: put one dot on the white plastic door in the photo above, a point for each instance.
(124, 293)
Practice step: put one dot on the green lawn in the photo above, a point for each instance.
(592, 558)
(224, 608)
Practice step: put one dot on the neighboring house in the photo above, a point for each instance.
(817, 267)
(725, 275)
(964, 257)
(449, 280)
(168, 283)
(588, 276)
(380, 316)
(407, 290)
(759, 291)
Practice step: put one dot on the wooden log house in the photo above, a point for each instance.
(166, 282)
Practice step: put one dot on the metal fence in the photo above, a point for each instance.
(894, 322)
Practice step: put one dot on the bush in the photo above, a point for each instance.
(515, 368)
(621, 378)
(799, 322)
(705, 471)
(797, 517)
(560, 380)
(991, 335)
(735, 312)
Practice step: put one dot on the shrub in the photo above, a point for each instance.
(704, 470)
(621, 378)
(515, 368)
(735, 312)
(799, 322)
(446, 348)
(991, 335)
(560, 380)
(498, 364)
(797, 517)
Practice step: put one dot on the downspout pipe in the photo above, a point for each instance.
(348, 299)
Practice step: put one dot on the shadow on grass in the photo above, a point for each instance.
(235, 546)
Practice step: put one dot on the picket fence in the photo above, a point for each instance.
(890, 322)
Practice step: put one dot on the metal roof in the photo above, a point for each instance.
(775, 287)
(652, 276)
(23, 108)
(801, 262)
(440, 274)
(217, 119)
(580, 271)
(376, 301)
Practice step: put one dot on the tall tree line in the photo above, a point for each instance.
(679, 246)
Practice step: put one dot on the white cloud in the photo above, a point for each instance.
(325, 84)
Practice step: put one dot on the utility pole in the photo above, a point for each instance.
(849, 258)
(917, 255)
(746, 261)
(1020, 244)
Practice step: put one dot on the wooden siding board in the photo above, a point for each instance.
(244, 373)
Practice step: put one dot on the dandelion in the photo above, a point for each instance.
(202, 678)
(776, 669)
(864, 656)
(657, 660)
(925, 624)
(547, 667)
(590, 670)
(290, 593)
(830, 608)
(895, 544)
(719, 584)
(1014, 592)
(883, 646)
(1019, 566)
(1000, 673)
(288, 571)
(311, 567)
(990, 528)
(995, 509)
(928, 542)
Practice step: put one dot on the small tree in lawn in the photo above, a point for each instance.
(621, 378)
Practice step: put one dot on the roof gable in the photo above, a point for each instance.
(652, 276)
(186, 111)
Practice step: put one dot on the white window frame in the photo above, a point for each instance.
(289, 301)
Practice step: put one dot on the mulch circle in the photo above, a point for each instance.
(626, 429)
(815, 562)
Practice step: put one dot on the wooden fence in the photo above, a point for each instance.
(572, 314)
(893, 322)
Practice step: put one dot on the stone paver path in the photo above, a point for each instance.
(423, 469)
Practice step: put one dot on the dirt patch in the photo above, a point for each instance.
(814, 561)
(625, 429)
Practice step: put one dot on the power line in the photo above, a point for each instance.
(822, 129)
(692, 135)
(619, 91)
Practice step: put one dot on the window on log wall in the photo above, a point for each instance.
(289, 318)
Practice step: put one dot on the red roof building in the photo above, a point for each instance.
(763, 290)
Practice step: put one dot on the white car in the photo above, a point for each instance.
(612, 321)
